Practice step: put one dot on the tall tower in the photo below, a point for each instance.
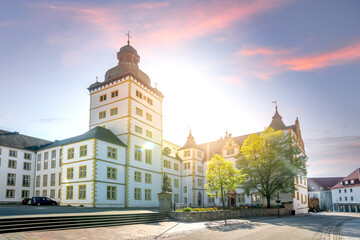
(127, 104)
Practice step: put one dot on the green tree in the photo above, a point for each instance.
(270, 161)
(222, 177)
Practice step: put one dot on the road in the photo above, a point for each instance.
(315, 226)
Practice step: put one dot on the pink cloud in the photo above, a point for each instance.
(261, 51)
(150, 5)
(322, 60)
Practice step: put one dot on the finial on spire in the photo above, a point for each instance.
(274, 102)
(97, 78)
(128, 35)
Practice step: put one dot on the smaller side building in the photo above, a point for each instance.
(320, 188)
(346, 193)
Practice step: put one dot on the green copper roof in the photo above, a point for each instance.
(97, 133)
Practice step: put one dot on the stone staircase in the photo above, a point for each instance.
(8, 225)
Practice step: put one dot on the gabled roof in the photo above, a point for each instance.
(355, 175)
(320, 184)
(96, 132)
(190, 143)
(16, 140)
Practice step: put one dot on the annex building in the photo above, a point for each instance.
(120, 161)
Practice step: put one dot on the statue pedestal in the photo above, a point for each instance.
(164, 202)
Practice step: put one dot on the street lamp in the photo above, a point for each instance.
(278, 202)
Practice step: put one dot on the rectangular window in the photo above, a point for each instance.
(199, 154)
(37, 182)
(59, 178)
(52, 179)
(10, 193)
(69, 192)
(37, 193)
(12, 164)
(38, 164)
(52, 193)
(150, 101)
(138, 153)
(70, 173)
(102, 97)
(12, 153)
(45, 180)
(345, 198)
(46, 160)
(187, 153)
(112, 153)
(114, 94)
(26, 181)
(137, 176)
(82, 192)
(176, 166)
(185, 189)
(176, 183)
(111, 173)
(0, 151)
(148, 178)
(350, 189)
(139, 112)
(11, 179)
(200, 169)
(138, 129)
(148, 156)
(200, 182)
(27, 166)
(149, 116)
(44, 193)
(25, 193)
(137, 193)
(53, 163)
(211, 200)
(148, 194)
(83, 151)
(27, 156)
(167, 164)
(230, 151)
(176, 198)
(297, 196)
(187, 165)
(102, 114)
(71, 153)
(82, 171)
(352, 198)
(113, 111)
(138, 94)
(148, 133)
(53, 154)
(185, 200)
(60, 157)
(111, 193)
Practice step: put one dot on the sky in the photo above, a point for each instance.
(219, 64)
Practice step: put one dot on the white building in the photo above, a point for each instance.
(346, 193)
(121, 159)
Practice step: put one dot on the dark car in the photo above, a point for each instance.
(42, 201)
(25, 201)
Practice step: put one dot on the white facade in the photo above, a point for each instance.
(17, 170)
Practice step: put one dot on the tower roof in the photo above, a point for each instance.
(190, 143)
(277, 122)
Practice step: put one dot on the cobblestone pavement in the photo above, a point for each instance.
(315, 226)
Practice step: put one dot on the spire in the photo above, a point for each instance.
(190, 142)
(277, 122)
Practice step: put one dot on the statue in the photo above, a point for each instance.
(166, 187)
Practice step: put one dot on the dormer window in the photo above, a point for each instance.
(346, 182)
(341, 183)
(352, 181)
(230, 151)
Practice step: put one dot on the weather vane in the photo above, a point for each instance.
(128, 35)
(274, 102)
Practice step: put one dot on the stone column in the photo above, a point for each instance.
(349, 207)
(344, 208)
(164, 202)
(356, 208)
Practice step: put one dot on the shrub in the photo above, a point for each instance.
(187, 209)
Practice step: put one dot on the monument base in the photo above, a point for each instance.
(164, 202)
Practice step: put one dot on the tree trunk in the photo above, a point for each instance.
(223, 200)
(268, 201)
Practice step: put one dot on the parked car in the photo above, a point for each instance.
(25, 201)
(42, 201)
